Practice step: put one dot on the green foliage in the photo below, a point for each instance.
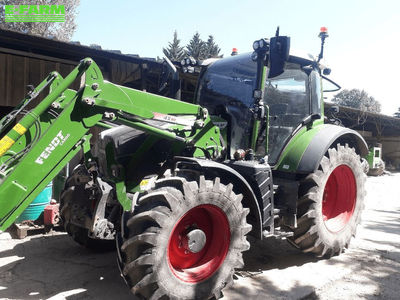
(211, 48)
(174, 51)
(58, 31)
(196, 47)
(358, 99)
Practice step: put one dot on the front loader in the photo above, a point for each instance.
(176, 186)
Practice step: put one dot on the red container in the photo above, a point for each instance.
(51, 214)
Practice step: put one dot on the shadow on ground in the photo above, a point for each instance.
(274, 253)
(54, 266)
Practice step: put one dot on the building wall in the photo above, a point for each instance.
(19, 68)
(17, 71)
(391, 151)
(390, 147)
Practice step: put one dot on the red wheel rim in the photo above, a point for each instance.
(195, 267)
(339, 198)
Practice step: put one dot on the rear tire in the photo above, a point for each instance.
(158, 257)
(75, 202)
(330, 204)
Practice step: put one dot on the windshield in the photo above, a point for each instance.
(226, 90)
(287, 96)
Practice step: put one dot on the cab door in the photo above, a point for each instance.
(288, 97)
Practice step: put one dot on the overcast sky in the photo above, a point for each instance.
(361, 49)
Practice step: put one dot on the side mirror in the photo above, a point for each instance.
(278, 55)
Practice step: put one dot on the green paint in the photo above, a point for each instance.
(120, 191)
(374, 157)
(32, 172)
(104, 125)
(254, 135)
(294, 150)
(61, 137)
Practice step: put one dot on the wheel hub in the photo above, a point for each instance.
(199, 243)
(195, 240)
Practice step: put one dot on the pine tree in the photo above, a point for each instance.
(174, 51)
(196, 47)
(211, 48)
(397, 113)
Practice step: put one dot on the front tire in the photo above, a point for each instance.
(330, 204)
(184, 240)
(76, 206)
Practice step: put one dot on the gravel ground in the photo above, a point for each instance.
(54, 267)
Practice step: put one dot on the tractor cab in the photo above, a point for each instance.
(292, 98)
(226, 88)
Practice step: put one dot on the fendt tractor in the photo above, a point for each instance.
(179, 186)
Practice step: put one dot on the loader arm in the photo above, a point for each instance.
(47, 137)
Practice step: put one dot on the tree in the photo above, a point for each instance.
(60, 31)
(397, 113)
(174, 51)
(358, 99)
(196, 47)
(211, 49)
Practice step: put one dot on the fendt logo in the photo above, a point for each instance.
(34, 13)
(57, 141)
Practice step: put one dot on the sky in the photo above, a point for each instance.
(364, 36)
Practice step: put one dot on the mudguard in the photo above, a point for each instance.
(226, 173)
(306, 149)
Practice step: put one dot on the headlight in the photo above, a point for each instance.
(254, 56)
(187, 61)
(183, 62)
(261, 43)
(256, 45)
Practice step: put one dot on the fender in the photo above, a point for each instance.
(306, 149)
(228, 175)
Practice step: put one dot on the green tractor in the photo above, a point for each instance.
(177, 186)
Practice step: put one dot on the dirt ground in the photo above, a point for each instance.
(54, 267)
